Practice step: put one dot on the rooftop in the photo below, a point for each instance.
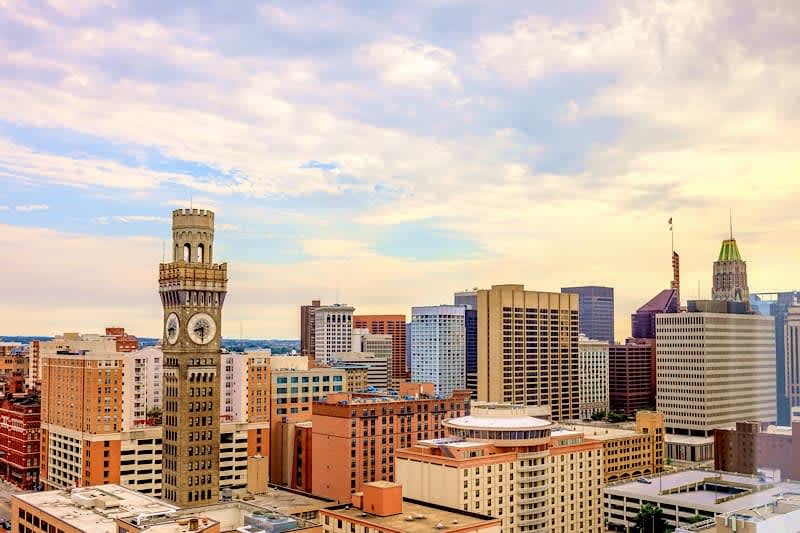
(660, 302)
(602, 432)
(729, 251)
(423, 517)
(287, 501)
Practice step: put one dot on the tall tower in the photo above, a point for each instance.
(192, 290)
(730, 274)
(676, 276)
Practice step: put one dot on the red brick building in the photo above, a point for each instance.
(19, 441)
(752, 445)
(301, 460)
(632, 375)
(355, 436)
(125, 341)
(394, 325)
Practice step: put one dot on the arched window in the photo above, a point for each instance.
(201, 253)
(187, 252)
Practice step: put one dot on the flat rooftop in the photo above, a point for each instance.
(687, 439)
(597, 432)
(290, 502)
(704, 499)
(95, 509)
(433, 515)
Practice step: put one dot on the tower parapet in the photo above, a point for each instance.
(193, 235)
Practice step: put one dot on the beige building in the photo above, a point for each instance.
(593, 369)
(714, 369)
(502, 462)
(378, 367)
(791, 340)
(629, 452)
(528, 349)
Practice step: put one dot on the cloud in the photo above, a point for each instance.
(4, 208)
(28, 208)
(414, 64)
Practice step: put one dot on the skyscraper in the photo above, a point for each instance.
(791, 342)
(469, 299)
(528, 349)
(596, 311)
(333, 331)
(730, 275)
(643, 321)
(593, 357)
(192, 289)
(437, 347)
(394, 325)
(307, 328)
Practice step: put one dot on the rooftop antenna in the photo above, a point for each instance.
(191, 201)
(730, 221)
(163, 251)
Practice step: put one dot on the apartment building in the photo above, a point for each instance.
(503, 462)
(714, 368)
(355, 435)
(629, 452)
(19, 441)
(380, 506)
(394, 325)
(528, 349)
(593, 368)
(333, 331)
(438, 347)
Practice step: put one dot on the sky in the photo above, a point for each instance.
(387, 154)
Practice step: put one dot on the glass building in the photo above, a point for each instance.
(596, 311)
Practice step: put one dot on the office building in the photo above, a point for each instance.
(438, 347)
(467, 298)
(628, 452)
(528, 349)
(380, 506)
(20, 440)
(333, 331)
(503, 462)
(632, 375)
(378, 368)
(394, 325)
(643, 321)
(596, 311)
(752, 446)
(687, 494)
(192, 289)
(593, 368)
(308, 328)
(729, 282)
(791, 355)
(714, 368)
(355, 435)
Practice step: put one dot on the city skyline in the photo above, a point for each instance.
(112, 115)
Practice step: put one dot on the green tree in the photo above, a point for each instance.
(650, 519)
(599, 415)
(616, 417)
(695, 519)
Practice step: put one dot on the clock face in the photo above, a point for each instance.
(202, 328)
(173, 328)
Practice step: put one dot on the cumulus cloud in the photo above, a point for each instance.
(419, 65)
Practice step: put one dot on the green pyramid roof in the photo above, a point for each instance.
(729, 251)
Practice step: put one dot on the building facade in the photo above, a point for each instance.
(438, 347)
(333, 331)
(355, 436)
(308, 328)
(643, 321)
(394, 325)
(596, 311)
(632, 375)
(20, 440)
(192, 289)
(528, 349)
(714, 369)
(378, 368)
(751, 446)
(502, 462)
(791, 356)
(593, 368)
(729, 282)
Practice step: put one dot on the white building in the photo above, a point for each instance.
(333, 330)
(141, 386)
(378, 368)
(438, 347)
(713, 370)
(593, 371)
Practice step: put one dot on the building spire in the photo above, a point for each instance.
(730, 221)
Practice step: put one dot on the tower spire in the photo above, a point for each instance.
(730, 221)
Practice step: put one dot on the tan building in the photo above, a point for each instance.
(380, 507)
(593, 369)
(528, 349)
(502, 462)
(356, 377)
(629, 452)
(378, 367)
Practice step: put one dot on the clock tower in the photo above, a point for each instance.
(192, 289)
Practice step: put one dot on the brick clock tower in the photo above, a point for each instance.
(192, 290)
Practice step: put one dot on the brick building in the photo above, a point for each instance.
(355, 435)
(19, 441)
(394, 325)
(752, 445)
(632, 375)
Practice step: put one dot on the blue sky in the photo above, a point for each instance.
(389, 153)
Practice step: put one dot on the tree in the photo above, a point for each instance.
(154, 414)
(599, 415)
(616, 417)
(650, 519)
(695, 519)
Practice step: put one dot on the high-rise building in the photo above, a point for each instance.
(596, 311)
(643, 321)
(714, 368)
(333, 331)
(192, 289)
(502, 462)
(730, 275)
(469, 299)
(632, 375)
(378, 370)
(438, 347)
(528, 349)
(593, 369)
(777, 304)
(308, 328)
(394, 325)
(355, 435)
(791, 342)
